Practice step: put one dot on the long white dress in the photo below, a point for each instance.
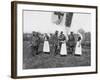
(63, 50)
(46, 47)
(78, 49)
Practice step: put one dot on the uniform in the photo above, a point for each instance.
(71, 43)
(35, 45)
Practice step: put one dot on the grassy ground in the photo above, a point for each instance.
(50, 61)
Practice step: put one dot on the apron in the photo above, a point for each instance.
(63, 50)
(78, 49)
(46, 47)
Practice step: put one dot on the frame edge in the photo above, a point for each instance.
(13, 40)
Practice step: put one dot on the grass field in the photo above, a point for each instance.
(50, 61)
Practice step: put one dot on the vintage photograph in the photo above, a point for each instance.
(52, 39)
(56, 39)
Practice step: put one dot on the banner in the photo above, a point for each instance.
(57, 17)
(68, 20)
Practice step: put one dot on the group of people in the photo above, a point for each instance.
(56, 44)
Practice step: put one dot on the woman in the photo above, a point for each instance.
(46, 47)
(63, 48)
(78, 49)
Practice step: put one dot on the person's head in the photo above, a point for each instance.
(79, 38)
(51, 34)
(56, 32)
(71, 32)
(61, 32)
(33, 34)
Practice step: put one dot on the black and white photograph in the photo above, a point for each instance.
(54, 39)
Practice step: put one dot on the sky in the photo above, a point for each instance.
(42, 22)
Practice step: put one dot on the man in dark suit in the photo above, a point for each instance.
(71, 42)
(56, 43)
(35, 44)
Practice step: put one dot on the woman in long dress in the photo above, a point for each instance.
(46, 47)
(63, 47)
(78, 49)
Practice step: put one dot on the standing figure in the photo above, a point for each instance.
(46, 46)
(35, 44)
(51, 43)
(62, 43)
(71, 43)
(39, 47)
(56, 43)
(78, 49)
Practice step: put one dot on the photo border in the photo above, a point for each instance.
(14, 37)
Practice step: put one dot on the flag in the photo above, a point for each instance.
(57, 17)
(68, 19)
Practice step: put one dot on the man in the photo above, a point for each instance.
(51, 43)
(35, 43)
(38, 41)
(71, 42)
(56, 43)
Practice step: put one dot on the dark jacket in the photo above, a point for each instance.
(55, 40)
(35, 41)
(71, 40)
